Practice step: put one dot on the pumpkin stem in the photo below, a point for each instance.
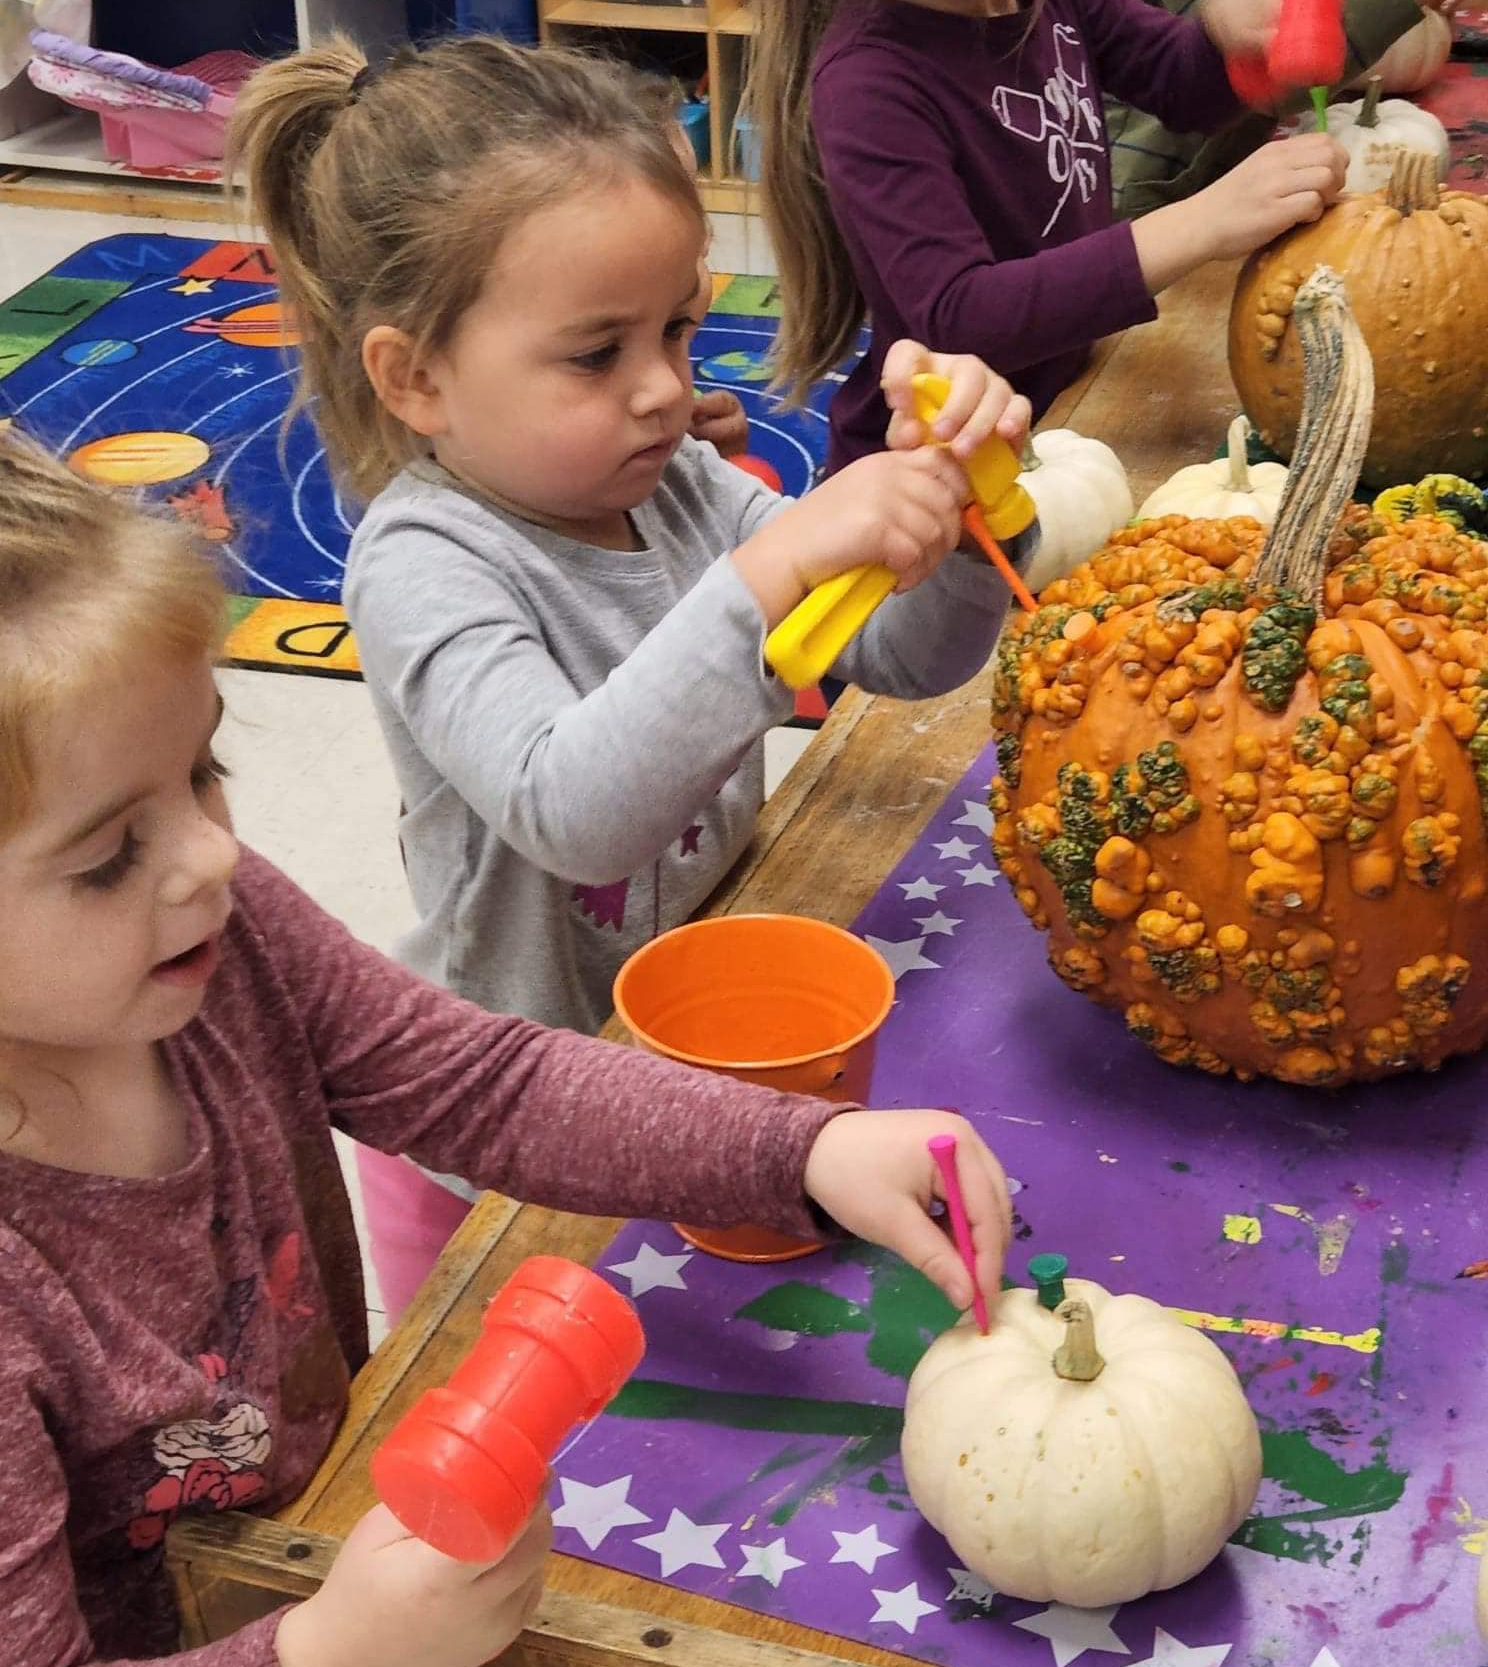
(1415, 181)
(1332, 436)
(1369, 110)
(1077, 1359)
(1031, 459)
(1235, 451)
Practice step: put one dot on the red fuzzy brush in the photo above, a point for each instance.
(1308, 49)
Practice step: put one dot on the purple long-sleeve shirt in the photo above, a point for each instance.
(967, 167)
(184, 1342)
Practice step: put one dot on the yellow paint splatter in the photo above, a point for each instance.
(1361, 1342)
(1475, 1541)
(1242, 1229)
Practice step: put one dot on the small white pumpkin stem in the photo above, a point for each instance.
(1031, 459)
(1332, 437)
(1369, 110)
(1235, 451)
(1077, 1359)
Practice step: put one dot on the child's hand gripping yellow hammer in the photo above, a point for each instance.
(802, 648)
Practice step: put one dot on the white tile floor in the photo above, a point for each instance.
(311, 787)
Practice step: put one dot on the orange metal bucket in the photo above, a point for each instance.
(778, 1000)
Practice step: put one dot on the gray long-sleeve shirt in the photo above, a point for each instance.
(578, 733)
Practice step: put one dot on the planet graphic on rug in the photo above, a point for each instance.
(261, 325)
(145, 457)
(737, 365)
(90, 353)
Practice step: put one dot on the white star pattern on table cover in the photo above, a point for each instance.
(902, 957)
(981, 875)
(649, 1270)
(904, 1608)
(952, 850)
(863, 1548)
(1326, 1658)
(939, 922)
(683, 1542)
(921, 888)
(1073, 1631)
(770, 1562)
(967, 1587)
(592, 1511)
(1167, 1651)
(975, 815)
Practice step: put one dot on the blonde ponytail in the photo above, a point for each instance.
(821, 304)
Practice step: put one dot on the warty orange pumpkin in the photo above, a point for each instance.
(1243, 776)
(1414, 258)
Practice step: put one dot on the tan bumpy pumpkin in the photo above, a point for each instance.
(1243, 790)
(1415, 261)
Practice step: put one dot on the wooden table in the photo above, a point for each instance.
(861, 794)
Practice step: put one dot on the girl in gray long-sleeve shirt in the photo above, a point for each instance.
(560, 601)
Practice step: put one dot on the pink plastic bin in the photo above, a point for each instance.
(145, 137)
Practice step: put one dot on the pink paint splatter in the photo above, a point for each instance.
(1434, 1531)
(1327, 1627)
(1321, 1384)
(1392, 1617)
(1281, 1363)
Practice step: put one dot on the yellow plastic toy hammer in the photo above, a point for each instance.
(802, 648)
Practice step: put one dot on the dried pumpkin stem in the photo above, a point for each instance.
(1077, 1359)
(1332, 437)
(1030, 459)
(1238, 479)
(1415, 181)
(1369, 110)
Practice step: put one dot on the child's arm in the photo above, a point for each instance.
(583, 1125)
(1170, 66)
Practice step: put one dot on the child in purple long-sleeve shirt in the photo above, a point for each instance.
(940, 166)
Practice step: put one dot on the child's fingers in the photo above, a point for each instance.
(969, 379)
(989, 1208)
(904, 360)
(906, 432)
(925, 1245)
(1014, 423)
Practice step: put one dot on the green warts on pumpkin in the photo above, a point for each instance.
(1274, 656)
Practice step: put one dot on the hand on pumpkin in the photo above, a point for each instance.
(1276, 187)
(718, 417)
(979, 404)
(873, 1174)
(390, 1599)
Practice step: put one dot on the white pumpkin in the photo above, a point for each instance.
(1080, 489)
(1063, 1474)
(1416, 58)
(1215, 491)
(1373, 130)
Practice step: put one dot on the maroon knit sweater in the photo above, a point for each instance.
(185, 1342)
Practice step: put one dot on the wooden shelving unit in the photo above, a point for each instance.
(727, 27)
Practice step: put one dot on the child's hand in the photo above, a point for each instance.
(1277, 187)
(979, 403)
(390, 1600)
(718, 417)
(895, 509)
(871, 1172)
(1240, 26)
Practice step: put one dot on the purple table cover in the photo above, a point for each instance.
(1326, 1242)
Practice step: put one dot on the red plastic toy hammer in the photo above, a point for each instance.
(1308, 49)
(465, 1467)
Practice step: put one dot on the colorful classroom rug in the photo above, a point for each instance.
(1332, 1245)
(160, 362)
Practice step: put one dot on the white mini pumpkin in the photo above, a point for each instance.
(1061, 1476)
(1228, 486)
(1373, 130)
(1081, 492)
(1416, 58)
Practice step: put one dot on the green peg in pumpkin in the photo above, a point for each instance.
(1047, 1272)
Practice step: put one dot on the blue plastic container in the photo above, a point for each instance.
(692, 114)
(516, 19)
(746, 148)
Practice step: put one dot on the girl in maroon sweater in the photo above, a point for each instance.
(181, 1304)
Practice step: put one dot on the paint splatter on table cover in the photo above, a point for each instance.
(1327, 1243)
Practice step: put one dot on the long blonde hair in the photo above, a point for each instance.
(821, 305)
(90, 582)
(387, 193)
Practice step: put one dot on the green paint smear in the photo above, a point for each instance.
(782, 1414)
(1291, 1460)
(1180, 1167)
(904, 1314)
(1394, 1264)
